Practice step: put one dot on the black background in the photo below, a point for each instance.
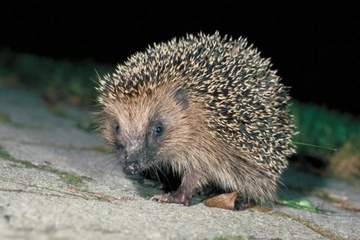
(314, 46)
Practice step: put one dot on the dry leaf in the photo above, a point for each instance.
(226, 201)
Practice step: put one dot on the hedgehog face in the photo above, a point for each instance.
(140, 146)
(143, 128)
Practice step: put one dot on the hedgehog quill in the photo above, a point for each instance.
(204, 107)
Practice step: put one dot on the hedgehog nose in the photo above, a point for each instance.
(131, 165)
(131, 168)
(132, 157)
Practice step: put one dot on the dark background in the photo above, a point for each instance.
(314, 46)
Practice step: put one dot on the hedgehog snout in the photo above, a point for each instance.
(131, 168)
(132, 161)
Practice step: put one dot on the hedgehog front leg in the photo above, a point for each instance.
(189, 186)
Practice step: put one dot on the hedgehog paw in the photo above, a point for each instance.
(171, 198)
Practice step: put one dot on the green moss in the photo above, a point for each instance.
(81, 193)
(71, 178)
(4, 154)
(21, 163)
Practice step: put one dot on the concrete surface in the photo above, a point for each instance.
(56, 183)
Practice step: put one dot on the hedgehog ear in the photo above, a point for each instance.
(180, 97)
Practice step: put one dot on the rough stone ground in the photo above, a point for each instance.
(56, 183)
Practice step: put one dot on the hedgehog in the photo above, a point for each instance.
(206, 108)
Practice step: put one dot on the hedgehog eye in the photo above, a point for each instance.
(158, 129)
(117, 129)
